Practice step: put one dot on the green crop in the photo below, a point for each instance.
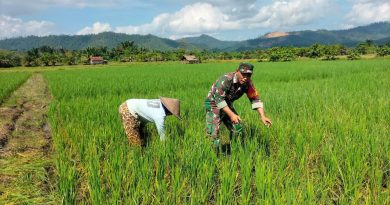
(10, 81)
(329, 143)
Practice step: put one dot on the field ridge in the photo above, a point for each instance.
(27, 172)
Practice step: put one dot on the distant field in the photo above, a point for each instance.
(329, 143)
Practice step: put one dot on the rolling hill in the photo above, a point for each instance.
(379, 33)
(77, 42)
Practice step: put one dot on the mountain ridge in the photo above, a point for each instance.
(377, 32)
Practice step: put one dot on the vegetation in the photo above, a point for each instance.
(383, 50)
(9, 59)
(128, 51)
(329, 143)
(47, 56)
(281, 54)
(9, 82)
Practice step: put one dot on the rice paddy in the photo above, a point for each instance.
(329, 143)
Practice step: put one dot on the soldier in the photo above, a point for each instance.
(135, 113)
(219, 101)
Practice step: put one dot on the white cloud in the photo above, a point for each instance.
(236, 9)
(223, 15)
(212, 16)
(95, 29)
(192, 19)
(14, 27)
(369, 11)
(283, 14)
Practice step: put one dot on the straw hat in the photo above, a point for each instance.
(172, 105)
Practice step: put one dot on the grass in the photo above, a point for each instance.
(329, 142)
(9, 82)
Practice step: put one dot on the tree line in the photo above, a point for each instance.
(128, 51)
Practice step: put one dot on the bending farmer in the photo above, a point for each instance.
(219, 101)
(136, 113)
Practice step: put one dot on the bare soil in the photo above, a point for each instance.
(26, 165)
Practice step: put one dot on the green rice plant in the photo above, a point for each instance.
(329, 143)
(228, 177)
(246, 167)
(10, 81)
(263, 181)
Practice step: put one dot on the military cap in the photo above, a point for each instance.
(246, 68)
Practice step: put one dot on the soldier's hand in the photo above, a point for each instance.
(266, 121)
(235, 119)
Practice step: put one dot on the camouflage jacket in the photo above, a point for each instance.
(227, 89)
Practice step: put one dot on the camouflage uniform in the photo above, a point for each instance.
(223, 93)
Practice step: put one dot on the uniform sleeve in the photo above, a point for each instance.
(222, 85)
(160, 127)
(253, 97)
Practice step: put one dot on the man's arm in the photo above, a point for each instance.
(266, 121)
(233, 117)
(160, 128)
(253, 96)
(222, 85)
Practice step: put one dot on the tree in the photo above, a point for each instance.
(367, 47)
(383, 50)
(361, 48)
(32, 57)
(315, 51)
(45, 59)
(262, 55)
(71, 58)
(281, 54)
(179, 53)
(331, 52)
(9, 59)
(353, 55)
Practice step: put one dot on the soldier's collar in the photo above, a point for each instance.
(235, 78)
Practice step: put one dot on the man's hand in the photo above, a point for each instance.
(235, 119)
(266, 121)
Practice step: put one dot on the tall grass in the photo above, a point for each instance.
(329, 142)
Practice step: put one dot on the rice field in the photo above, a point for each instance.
(10, 81)
(329, 143)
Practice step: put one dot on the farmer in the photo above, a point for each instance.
(136, 113)
(219, 102)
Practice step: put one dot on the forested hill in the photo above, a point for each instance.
(377, 32)
(77, 42)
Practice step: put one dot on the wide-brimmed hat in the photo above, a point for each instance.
(172, 105)
(246, 68)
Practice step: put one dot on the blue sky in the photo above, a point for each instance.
(222, 19)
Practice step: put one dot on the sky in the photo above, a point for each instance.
(223, 19)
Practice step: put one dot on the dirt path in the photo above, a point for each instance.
(26, 165)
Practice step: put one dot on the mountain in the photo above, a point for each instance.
(77, 42)
(382, 41)
(208, 42)
(349, 37)
(379, 33)
(373, 32)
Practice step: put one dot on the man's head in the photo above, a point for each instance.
(244, 72)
